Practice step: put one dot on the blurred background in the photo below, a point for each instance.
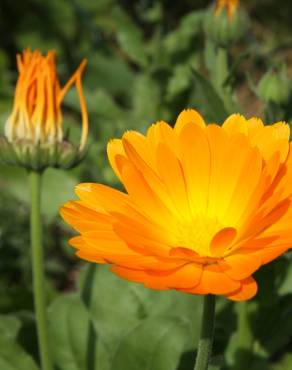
(141, 57)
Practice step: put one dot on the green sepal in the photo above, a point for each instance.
(38, 157)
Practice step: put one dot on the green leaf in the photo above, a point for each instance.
(76, 345)
(152, 14)
(284, 364)
(117, 309)
(180, 80)
(101, 103)
(206, 99)
(209, 54)
(57, 187)
(9, 326)
(146, 101)
(273, 331)
(112, 73)
(189, 27)
(13, 357)
(127, 33)
(156, 343)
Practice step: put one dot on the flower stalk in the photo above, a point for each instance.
(245, 337)
(86, 295)
(219, 75)
(207, 334)
(38, 271)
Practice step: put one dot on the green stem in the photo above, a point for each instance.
(92, 339)
(207, 333)
(219, 74)
(38, 270)
(244, 339)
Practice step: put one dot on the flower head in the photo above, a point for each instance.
(205, 205)
(36, 123)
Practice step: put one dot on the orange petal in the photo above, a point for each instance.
(240, 266)
(261, 222)
(101, 197)
(195, 153)
(143, 243)
(149, 175)
(143, 197)
(247, 290)
(161, 133)
(254, 124)
(83, 252)
(107, 243)
(173, 178)
(271, 139)
(115, 148)
(247, 192)
(267, 255)
(98, 245)
(84, 219)
(184, 253)
(235, 162)
(221, 241)
(189, 116)
(235, 124)
(215, 281)
(90, 257)
(218, 142)
(145, 227)
(140, 144)
(186, 276)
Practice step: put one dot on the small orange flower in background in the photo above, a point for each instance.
(34, 130)
(205, 206)
(230, 6)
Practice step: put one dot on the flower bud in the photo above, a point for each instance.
(275, 86)
(34, 130)
(226, 22)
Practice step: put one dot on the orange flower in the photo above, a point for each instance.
(36, 116)
(230, 5)
(205, 206)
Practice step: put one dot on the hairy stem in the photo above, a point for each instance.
(38, 270)
(207, 334)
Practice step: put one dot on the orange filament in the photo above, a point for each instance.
(36, 114)
(229, 5)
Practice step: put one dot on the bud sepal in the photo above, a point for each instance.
(38, 157)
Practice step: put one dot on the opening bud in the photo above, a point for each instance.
(226, 22)
(34, 130)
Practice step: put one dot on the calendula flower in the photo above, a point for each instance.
(205, 205)
(229, 5)
(34, 129)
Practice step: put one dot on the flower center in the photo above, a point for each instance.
(198, 234)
